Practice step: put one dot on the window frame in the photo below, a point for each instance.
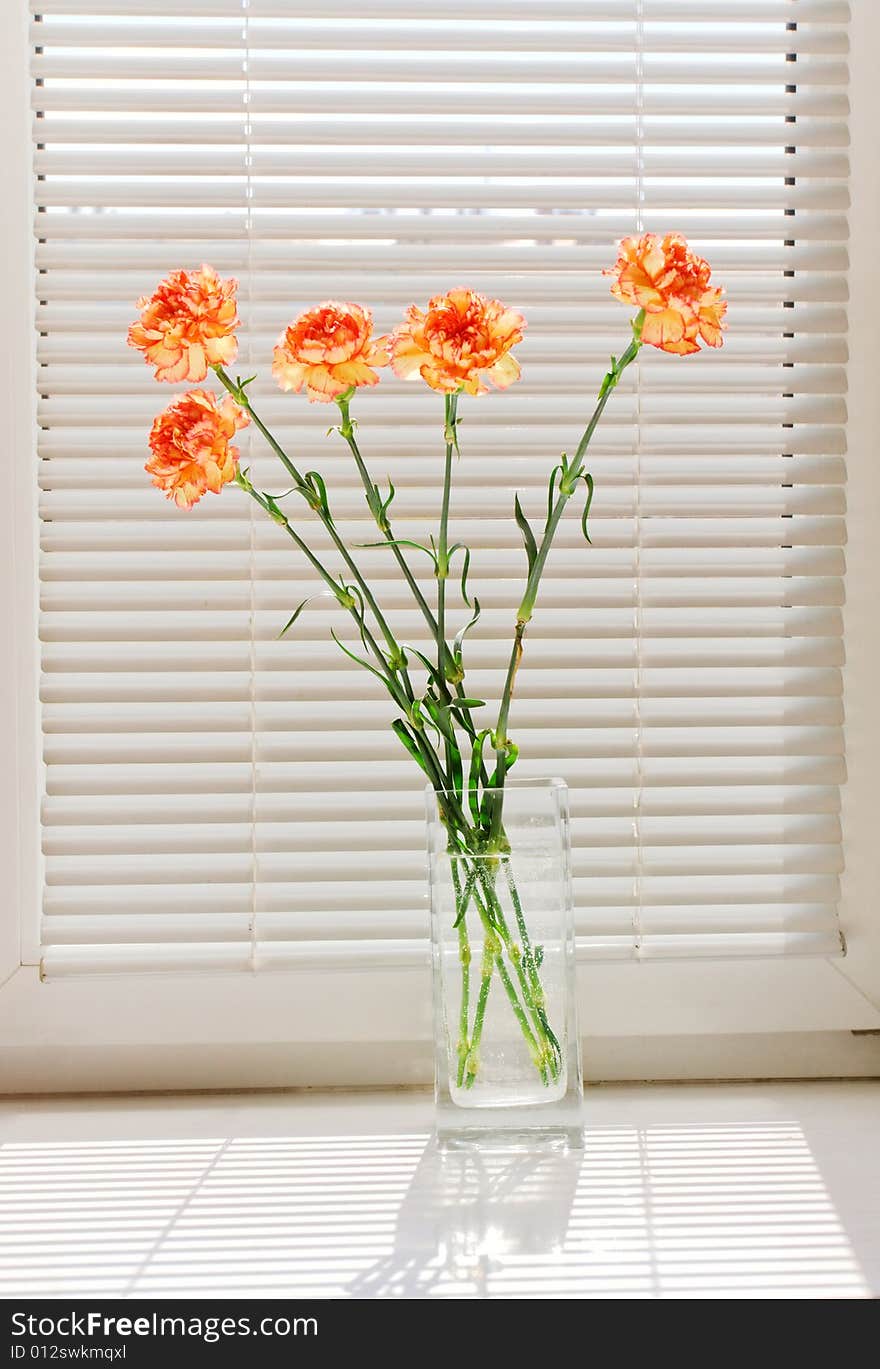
(320, 1026)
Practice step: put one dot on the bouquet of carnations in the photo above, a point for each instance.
(455, 345)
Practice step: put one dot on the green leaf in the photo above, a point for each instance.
(429, 666)
(462, 633)
(360, 617)
(467, 703)
(454, 766)
(358, 660)
(588, 481)
(277, 515)
(440, 717)
(384, 506)
(399, 542)
(356, 602)
(452, 421)
(241, 387)
(344, 596)
(418, 721)
(528, 536)
(315, 481)
(399, 727)
(466, 896)
(551, 489)
(475, 773)
(611, 378)
(464, 575)
(293, 617)
(508, 760)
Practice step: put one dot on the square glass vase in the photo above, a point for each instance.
(506, 1046)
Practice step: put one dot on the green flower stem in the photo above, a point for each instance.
(492, 948)
(528, 953)
(567, 486)
(533, 996)
(464, 955)
(494, 922)
(383, 522)
(401, 693)
(332, 584)
(451, 407)
(531, 968)
(501, 739)
(489, 912)
(240, 395)
(464, 952)
(535, 1050)
(483, 871)
(467, 1076)
(346, 601)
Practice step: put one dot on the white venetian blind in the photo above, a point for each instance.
(217, 798)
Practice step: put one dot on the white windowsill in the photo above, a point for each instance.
(734, 1190)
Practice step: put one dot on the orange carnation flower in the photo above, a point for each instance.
(190, 442)
(671, 283)
(329, 349)
(187, 324)
(459, 340)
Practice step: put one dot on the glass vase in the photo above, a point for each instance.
(506, 1045)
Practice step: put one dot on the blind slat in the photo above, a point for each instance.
(563, 132)
(269, 41)
(207, 98)
(473, 62)
(746, 11)
(297, 159)
(539, 224)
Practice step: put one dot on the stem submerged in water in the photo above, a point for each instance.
(464, 955)
(474, 881)
(472, 1062)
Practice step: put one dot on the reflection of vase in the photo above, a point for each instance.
(506, 1048)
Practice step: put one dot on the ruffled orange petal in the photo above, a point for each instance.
(711, 312)
(439, 379)
(178, 368)
(504, 372)
(321, 384)
(458, 340)
(187, 324)
(289, 374)
(191, 451)
(408, 358)
(221, 350)
(354, 373)
(670, 282)
(329, 349)
(378, 353)
(683, 348)
(664, 328)
(634, 286)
